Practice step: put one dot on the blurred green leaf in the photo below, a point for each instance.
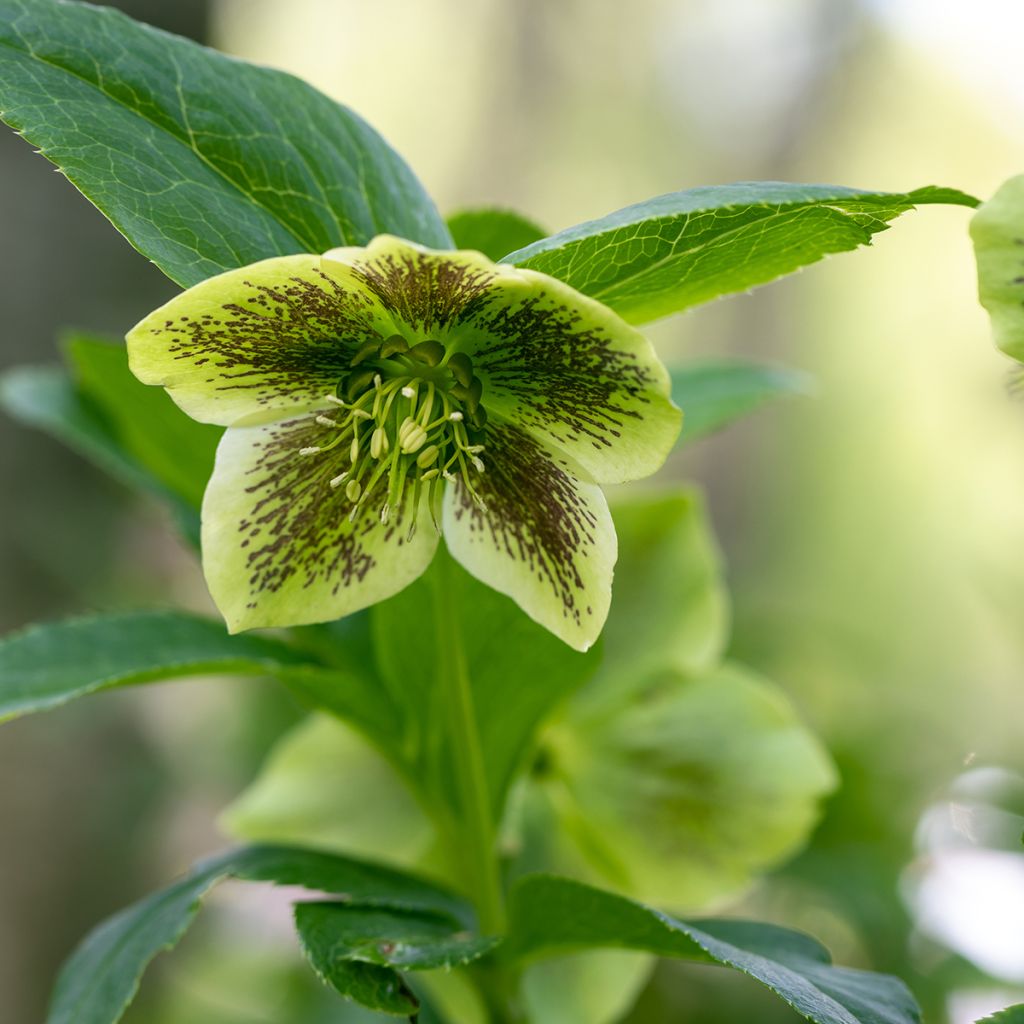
(713, 393)
(304, 795)
(49, 664)
(596, 987)
(493, 232)
(203, 162)
(1011, 1015)
(669, 601)
(102, 975)
(551, 916)
(678, 793)
(997, 230)
(677, 250)
(45, 397)
(177, 450)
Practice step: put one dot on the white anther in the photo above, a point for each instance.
(385, 512)
(326, 421)
(309, 451)
(411, 436)
(408, 391)
(475, 449)
(361, 414)
(379, 443)
(479, 463)
(338, 480)
(377, 382)
(335, 400)
(449, 476)
(455, 417)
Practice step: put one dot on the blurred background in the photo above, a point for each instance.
(873, 533)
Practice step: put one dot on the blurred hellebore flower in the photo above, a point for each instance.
(376, 395)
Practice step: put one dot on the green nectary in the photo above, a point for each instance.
(410, 416)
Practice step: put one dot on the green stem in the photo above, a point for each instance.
(474, 838)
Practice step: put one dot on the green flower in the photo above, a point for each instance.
(375, 396)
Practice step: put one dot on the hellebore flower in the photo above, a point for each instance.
(375, 396)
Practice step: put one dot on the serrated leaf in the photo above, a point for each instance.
(203, 162)
(552, 916)
(388, 938)
(677, 250)
(1011, 1015)
(177, 450)
(997, 230)
(46, 398)
(102, 975)
(714, 393)
(494, 232)
(49, 664)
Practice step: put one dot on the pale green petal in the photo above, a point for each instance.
(997, 230)
(258, 343)
(545, 538)
(573, 372)
(279, 548)
(550, 359)
(682, 796)
(325, 786)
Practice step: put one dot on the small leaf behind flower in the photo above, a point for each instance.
(494, 232)
(714, 393)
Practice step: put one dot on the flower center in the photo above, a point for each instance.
(410, 417)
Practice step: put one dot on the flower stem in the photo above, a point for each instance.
(473, 836)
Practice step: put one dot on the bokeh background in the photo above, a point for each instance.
(874, 533)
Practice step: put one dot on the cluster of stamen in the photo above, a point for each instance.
(409, 416)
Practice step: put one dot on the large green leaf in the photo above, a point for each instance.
(47, 665)
(45, 397)
(359, 950)
(715, 392)
(203, 162)
(666, 254)
(554, 916)
(102, 975)
(493, 232)
(175, 449)
(997, 229)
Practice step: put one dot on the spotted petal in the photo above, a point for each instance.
(551, 360)
(278, 546)
(544, 536)
(258, 343)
